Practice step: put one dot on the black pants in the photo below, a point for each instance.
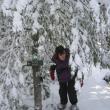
(66, 90)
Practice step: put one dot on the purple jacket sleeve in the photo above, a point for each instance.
(67, 53)
(54, 58)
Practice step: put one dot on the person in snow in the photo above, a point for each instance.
(66, 80)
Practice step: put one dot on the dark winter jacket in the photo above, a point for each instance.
(62, 67)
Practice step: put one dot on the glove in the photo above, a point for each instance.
(81, 83)
(52, 75)
(67, 51)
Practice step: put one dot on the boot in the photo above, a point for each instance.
(61, 106)
(74, 107)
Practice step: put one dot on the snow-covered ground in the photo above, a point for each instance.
(95, 94)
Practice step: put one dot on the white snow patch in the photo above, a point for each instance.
(106, 2)
(78, 86)
(6, 7)
(78, 61)
(79, 5)
(17, 22)
(99, 73)
(21, 78)
(36, 25)
(21, 4)
(14, 92)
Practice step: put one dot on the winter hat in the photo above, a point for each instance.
(60, 49)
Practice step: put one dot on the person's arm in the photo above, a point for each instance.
(52, 72)
(54, 58)
(67, 50)
(53, 67)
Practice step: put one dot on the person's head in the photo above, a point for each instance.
(60, 51)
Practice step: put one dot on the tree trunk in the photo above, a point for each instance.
(37, 89)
